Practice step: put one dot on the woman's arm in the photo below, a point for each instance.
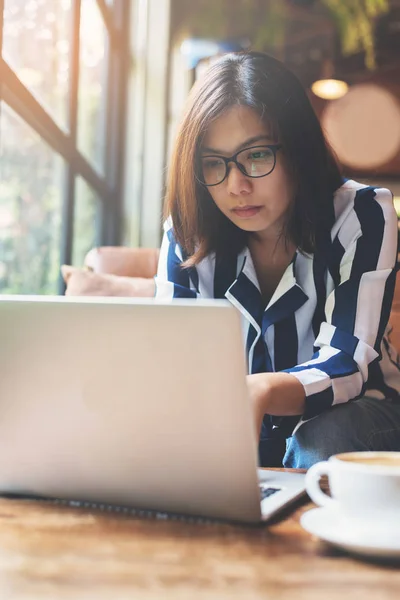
(277, 394)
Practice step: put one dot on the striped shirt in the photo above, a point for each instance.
(326, 322)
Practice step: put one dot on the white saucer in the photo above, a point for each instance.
(326, 524)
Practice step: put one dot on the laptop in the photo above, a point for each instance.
(133, 403)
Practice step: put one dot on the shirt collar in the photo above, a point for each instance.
(245, 294)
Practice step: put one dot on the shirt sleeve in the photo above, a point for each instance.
(173, 281)
(358, 308)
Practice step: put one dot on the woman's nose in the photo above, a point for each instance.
(238, 183)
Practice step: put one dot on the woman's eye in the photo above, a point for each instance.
(212, 164)
(257, 155)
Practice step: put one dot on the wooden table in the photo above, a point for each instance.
(61, 553)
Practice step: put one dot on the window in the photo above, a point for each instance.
(63, 85)
(92, 89)
(36, 45)
(31, 180)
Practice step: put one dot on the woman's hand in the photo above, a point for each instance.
(277, 394)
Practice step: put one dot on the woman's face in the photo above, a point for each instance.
(258, 205)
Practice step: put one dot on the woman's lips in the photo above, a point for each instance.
(246, 212)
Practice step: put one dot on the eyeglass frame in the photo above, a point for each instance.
(233, 158)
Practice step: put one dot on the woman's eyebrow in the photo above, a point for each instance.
(247, 143)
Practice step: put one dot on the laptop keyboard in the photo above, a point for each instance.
(268, 491)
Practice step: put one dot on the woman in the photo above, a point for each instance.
(258, 213)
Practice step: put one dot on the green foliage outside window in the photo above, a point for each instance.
(31, 177)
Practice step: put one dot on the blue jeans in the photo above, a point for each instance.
(364, 424)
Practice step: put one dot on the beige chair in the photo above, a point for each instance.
(113, 271)
(120, 260)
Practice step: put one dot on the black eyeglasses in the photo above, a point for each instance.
(256, 161)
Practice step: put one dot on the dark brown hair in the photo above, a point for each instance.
(264, 84)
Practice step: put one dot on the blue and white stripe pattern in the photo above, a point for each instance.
(327, 319)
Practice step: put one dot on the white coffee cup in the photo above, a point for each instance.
(365, 488)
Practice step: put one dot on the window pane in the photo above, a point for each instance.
(92, 84)
(31, 179)
(36, 44)
(86, 221)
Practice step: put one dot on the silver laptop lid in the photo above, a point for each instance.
(127, 401)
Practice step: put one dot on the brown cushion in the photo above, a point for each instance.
(394, 318)
(83, 282)
(394, 335)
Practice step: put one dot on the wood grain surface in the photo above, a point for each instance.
(58, 552)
